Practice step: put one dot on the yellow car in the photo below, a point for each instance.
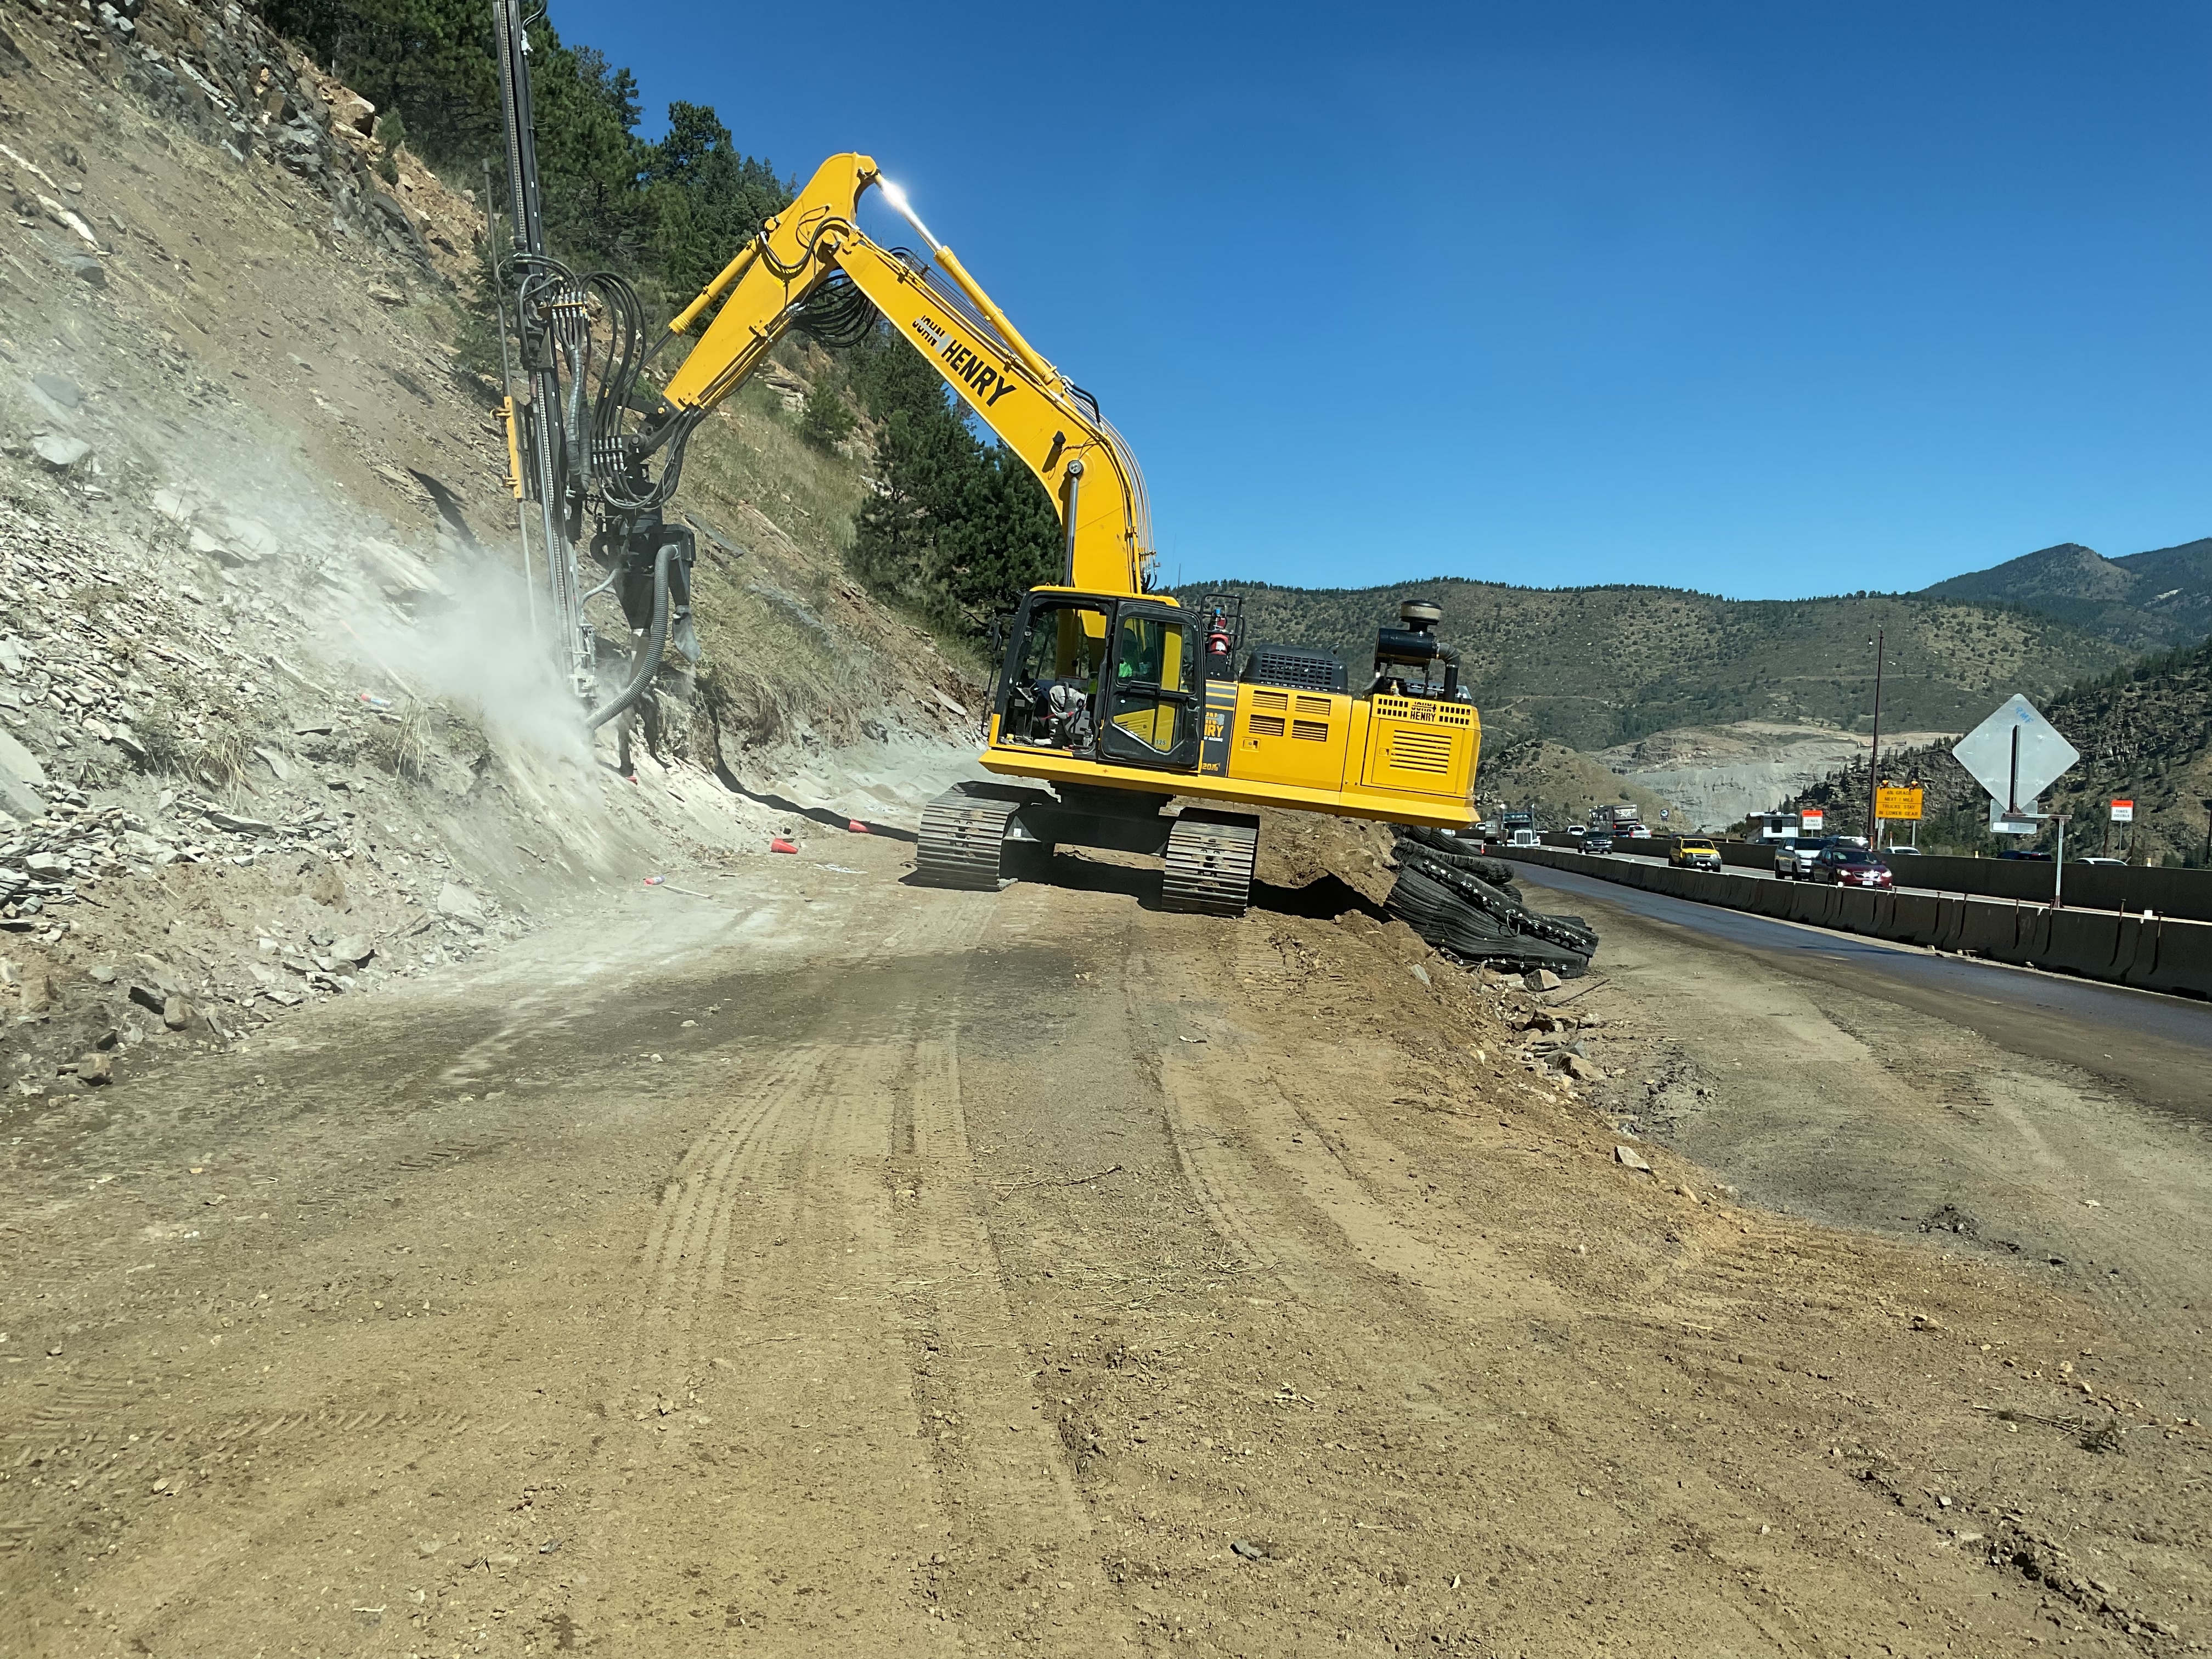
(1691, 853)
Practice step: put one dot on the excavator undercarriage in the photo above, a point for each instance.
(984, 836)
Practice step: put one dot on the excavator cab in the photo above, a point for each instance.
(1103, 678)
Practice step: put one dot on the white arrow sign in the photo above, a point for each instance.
(2015, 755)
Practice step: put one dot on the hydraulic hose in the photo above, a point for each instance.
(656, 642)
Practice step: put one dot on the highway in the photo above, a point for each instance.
(2158, 1048)
(1752, 873)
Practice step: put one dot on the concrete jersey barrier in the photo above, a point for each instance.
(2162, 953)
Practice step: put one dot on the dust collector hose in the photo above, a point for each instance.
(656, 642)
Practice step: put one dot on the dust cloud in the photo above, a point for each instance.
(472, 643)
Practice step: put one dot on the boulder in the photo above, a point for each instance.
(221, 551)
(151, 970)
(460, 905)
(40, 992)
(21, 777)
(58, 453)
(354, 111)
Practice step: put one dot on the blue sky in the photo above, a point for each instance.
(1765, 300)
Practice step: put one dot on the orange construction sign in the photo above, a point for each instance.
(1898, 805)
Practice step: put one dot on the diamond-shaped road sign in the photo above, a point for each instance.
(2015, 755)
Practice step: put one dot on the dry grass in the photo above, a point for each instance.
(401, 742)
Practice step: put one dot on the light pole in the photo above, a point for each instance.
(1874, 756)
(2207, 800)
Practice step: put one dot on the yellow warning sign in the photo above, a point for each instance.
(1898, 805)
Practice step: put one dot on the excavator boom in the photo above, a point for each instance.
(1054, 426)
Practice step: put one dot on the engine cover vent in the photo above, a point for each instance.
(1291, 665)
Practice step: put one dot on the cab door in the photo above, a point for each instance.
(1155, 706)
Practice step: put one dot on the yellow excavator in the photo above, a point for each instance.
(1118, 698)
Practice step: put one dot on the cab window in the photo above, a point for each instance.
(1155, 682)
(1067, 642)
(1150, 655)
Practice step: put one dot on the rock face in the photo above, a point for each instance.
(1713, 776)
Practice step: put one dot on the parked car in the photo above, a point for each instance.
(1793, 859)
(1694, 852)
(1598, 841)
(1850, 866)
(2100, 859)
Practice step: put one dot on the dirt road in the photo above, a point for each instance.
(836, 1266)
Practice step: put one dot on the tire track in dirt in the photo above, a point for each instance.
(687, 1247)
(1278, 1135)
(822, 1294)
(1010, 1499)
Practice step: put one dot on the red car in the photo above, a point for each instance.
(1851, 867)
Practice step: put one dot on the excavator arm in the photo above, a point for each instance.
(939, 310)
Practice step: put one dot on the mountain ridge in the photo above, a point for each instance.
(2147, 601)
(1596, 666)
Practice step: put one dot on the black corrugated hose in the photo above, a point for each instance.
(656, 642)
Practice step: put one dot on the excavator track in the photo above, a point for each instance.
(1209, 862)
(964, 836)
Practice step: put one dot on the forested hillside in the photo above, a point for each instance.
(1595, 666)
(2145, 734)
(952, 526)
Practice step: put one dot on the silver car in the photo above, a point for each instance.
(1794, 858)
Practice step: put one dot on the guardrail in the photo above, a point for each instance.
(2152, 952)
(2133, 889)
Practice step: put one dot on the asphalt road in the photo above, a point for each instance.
(2158, 1046)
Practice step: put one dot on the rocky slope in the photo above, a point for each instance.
(1713, 776)
(275, 725)
(1562, 784)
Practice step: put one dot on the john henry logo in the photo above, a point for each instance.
(978, 376)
